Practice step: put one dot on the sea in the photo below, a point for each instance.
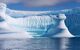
(41, 44)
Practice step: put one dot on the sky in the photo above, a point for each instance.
(43, 5)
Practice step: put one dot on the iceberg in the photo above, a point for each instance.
(36, 24)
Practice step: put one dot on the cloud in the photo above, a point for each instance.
(34, 2)
(38, 2)
(2, 0)
(78, 0)
(10, 1)
(42, 2)
(13, 1)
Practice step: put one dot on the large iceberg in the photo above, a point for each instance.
(35, 23)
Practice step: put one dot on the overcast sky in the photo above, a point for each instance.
(41, 4)
(25, 1)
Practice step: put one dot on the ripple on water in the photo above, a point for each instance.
(40, 44)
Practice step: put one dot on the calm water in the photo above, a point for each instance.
(40, 44)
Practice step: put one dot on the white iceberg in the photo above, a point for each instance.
(32, 20)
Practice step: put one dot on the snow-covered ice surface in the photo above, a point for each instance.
(7, 32)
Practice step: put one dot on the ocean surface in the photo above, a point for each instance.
(40, 44)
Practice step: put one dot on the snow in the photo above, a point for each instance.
(7, 32)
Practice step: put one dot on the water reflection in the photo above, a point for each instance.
(40, 44)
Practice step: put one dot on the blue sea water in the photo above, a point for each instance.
(40, 44)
